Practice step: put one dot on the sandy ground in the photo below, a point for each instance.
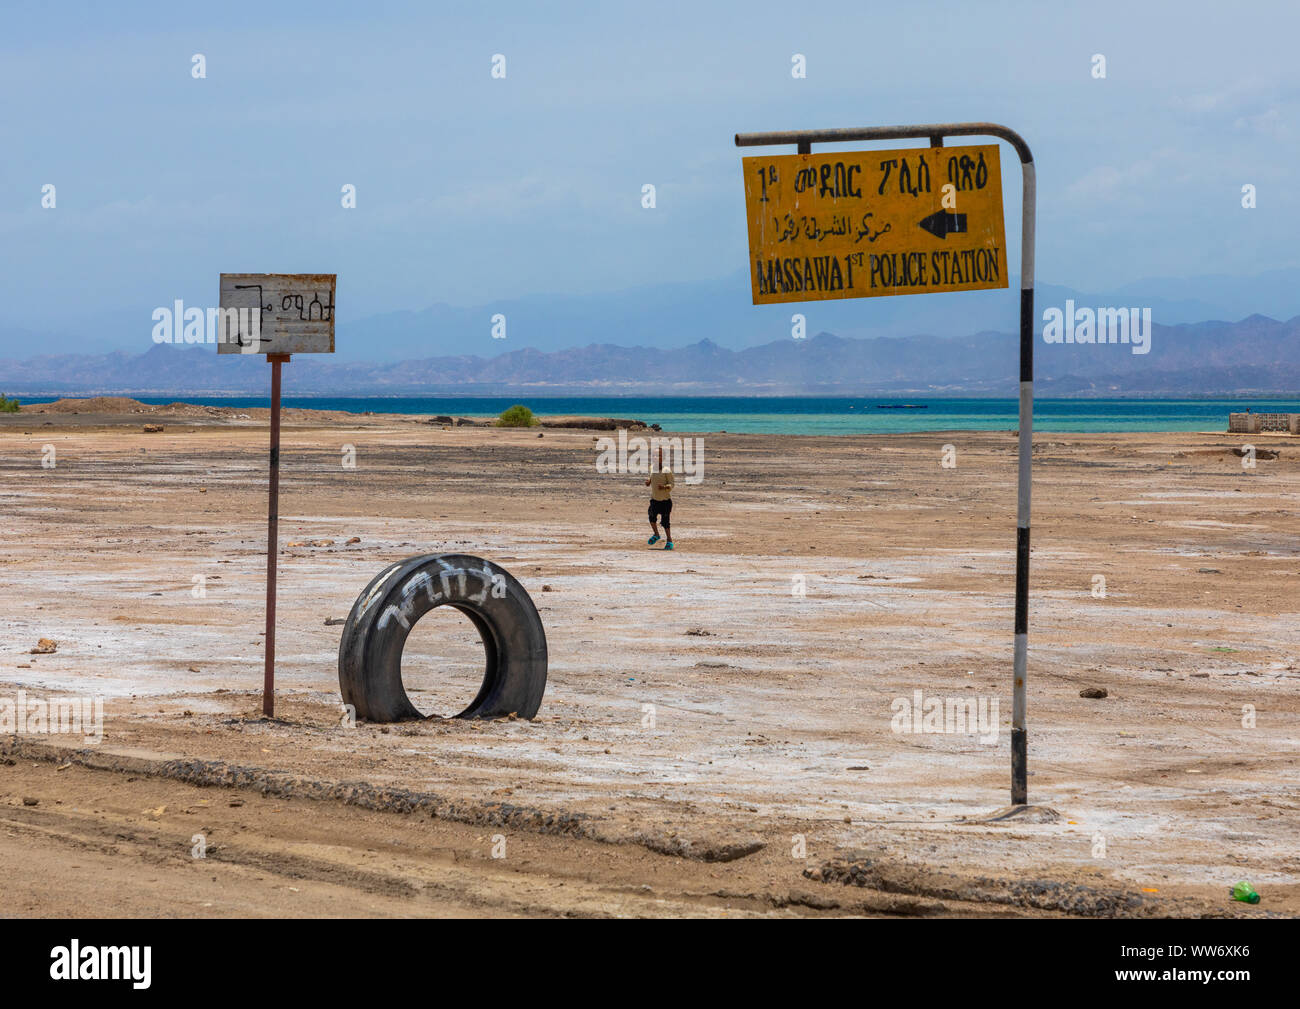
(767, 778)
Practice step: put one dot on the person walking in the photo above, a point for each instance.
(661, 504)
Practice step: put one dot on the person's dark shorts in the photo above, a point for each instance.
(660, 510)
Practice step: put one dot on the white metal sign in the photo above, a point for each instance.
(276, 313)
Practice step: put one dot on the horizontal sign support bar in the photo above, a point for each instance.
(804, 138)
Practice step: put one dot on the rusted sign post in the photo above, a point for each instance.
(272, 535)
(869, 223)
(277, 315)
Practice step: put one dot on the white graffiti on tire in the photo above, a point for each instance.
(493, 582)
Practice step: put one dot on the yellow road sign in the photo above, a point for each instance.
(863, 224)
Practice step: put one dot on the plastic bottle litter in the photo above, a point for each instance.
(1245, 892)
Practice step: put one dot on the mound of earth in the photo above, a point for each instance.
(593, 423)
(95, 404)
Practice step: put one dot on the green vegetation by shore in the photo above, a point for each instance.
(517, 416)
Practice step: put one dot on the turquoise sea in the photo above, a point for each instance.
(808, 415)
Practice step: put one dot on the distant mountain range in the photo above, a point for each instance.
(665, 317)
(1256, 355)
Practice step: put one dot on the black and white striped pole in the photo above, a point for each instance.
(803, 140)
(1024, 481)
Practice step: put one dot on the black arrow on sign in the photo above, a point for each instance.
(941, 223)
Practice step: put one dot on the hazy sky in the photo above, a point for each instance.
(471, 189)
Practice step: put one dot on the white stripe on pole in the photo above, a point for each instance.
(1018, 667)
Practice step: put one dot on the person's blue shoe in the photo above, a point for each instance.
(668, 545)
(652, 540)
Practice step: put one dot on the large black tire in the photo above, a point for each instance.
(370, 652)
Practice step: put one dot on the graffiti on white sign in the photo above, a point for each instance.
(276, 313)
